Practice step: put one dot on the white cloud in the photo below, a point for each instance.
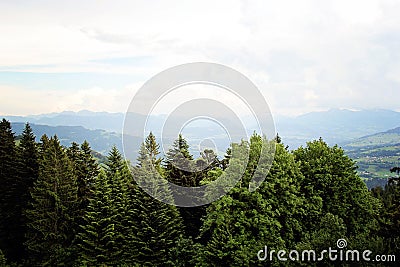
(344, 52)
(310, 95)
(19, 101)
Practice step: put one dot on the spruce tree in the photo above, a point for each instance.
(119, 203)
(96, 238)
(118, 176)
(181, 170)
(10, 191)
(105, 236)
(111, 191)
(28, 157)
(389, 219)
(86, 169)
(115, 162)
(28, 171)
(226, 159)
(178, 164)
(3, 261)
(152, 150)
(158, 225)
(52, 211)
(89, 165)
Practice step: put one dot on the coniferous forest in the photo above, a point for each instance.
(60, 207)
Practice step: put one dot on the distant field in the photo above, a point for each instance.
(375, 155)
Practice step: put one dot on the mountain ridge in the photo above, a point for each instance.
(99, 140)
(335, 126)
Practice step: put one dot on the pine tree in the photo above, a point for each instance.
(28, 157)
(52, 211)
(96, 238)
(181, 170)
(3, 261)
(89, 169)
(389, 219)
(114, 162)
(43, 145)
(178, 164)
(210, 158)
(28, 171)
(10, 191)
(226, 159)
(105, 236)
(118, 176)
(152, 149)
(86, 169)
(123, 222)
(158, 225)
(108, 223)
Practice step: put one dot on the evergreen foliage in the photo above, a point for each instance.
(3, 261)
(28, 172)
(389, 220)
(97, 237)
(59, 207)
(52, 211)
(10, 190)
(180, 169)
(158, 225)
(86, 169)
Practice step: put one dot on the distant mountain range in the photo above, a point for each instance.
(90, 120)
(383, 139)
(363, 134)
(336, 126)
(100, 140)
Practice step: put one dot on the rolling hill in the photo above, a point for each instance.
(363, 134)
(375, 155)
(100, 140)
(335, 126)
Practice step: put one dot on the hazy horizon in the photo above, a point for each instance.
(166, 114)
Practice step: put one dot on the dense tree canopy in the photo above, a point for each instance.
(59, 206)
(331, 179)
(10, 190)
(51, 215)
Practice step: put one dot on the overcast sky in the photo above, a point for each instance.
(303, 55)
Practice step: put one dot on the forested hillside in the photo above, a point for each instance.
(60, 207)
(101, 140)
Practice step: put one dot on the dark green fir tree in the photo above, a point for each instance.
(86, 169)
(10, 192)
(52, 212)
(28, 171)
(180, 169)
(97, 236)
(158, 224)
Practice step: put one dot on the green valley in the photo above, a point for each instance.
(375, 155)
